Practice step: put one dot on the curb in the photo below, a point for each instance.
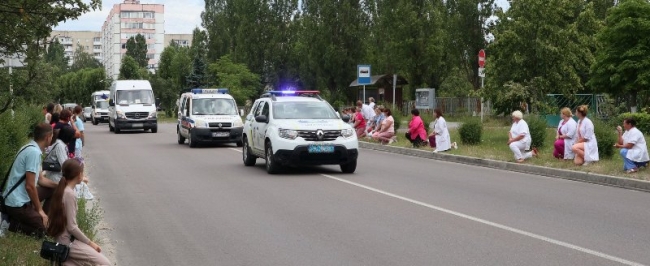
(600, 179)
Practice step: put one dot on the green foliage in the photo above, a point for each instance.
(56, 55)
(136, 48)
(16, 132)
(129, 69)
(75, 87)
(622, 65)
(243, 84)
(606, 136)
(537, 128)
(88, 218)
(471, 132)
(642, 121)
(82, 59)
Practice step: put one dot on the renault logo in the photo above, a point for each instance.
(220, 125)
(319, 134)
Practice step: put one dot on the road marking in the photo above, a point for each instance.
(234, 149)
(493, 224)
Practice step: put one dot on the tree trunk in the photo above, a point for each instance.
(633, 105)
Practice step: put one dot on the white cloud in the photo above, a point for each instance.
(181, 16)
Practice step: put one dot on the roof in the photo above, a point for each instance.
(385, 80)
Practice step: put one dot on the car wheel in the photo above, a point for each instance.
(116, 129)
(95, 122)
(154, 130)
(249, 159)
(272, 166)
(110, 128)
(349, 168)
(190, 141)
(240, 144)
(181, 139)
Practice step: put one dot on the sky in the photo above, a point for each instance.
(181, 16)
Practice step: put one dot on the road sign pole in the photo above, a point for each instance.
(481, 73)
(363, 100)
(482, 104)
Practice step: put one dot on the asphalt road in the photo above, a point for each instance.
(172, 205)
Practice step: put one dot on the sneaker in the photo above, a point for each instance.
(4, 225)
(455, 145)
(391, 141)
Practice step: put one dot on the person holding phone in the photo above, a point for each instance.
(633, 146)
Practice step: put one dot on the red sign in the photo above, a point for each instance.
(481, 58)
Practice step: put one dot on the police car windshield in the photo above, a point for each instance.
(213, 106)
(303, 110)
(101, 105)
(134, 97)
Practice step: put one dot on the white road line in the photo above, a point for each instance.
(234, 149)
(493, 224)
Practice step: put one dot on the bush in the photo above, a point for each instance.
(537, 128)
(606, 137)
(470, 132)
(642, 121)
(16, 132)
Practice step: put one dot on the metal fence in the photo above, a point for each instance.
(453, 106)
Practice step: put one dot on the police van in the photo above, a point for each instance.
(208, 116)
(296, 128)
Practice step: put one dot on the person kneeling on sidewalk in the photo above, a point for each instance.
(23, 205)
(63, 219)
(519, 139)
(633, 146)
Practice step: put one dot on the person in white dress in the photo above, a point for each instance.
(565, 136)
(519, 139)
(633, 146)
(586, 145)
(439, 137)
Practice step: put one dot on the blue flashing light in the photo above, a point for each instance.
(287, 92)
(211, 91)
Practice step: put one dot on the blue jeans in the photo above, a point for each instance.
(629, 164)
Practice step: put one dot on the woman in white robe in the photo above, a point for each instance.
(565, 136)
(586, 144)
(440, 134)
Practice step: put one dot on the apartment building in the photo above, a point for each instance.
(183, 40)
(90, 41)
(126, 20)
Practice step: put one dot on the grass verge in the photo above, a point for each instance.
(163, 118)
(493, 146)
(18, 249)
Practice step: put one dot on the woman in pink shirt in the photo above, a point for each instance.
(386, 130)
(416, 134)
(359, 123)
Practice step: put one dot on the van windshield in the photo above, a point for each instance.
(214, 106)
(101, 105)
(134, 97)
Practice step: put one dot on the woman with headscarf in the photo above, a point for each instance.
(519, 139)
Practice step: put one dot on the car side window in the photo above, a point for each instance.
(187, 106)
(260, 106)
(254, 109)
(265, 110)
(182, 103)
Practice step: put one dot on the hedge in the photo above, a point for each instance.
(16, 132)
(642, 121)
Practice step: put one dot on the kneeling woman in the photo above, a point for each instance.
(63, 219)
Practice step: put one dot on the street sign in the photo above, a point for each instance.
(481, 72)
(481, 58)
(363, 75)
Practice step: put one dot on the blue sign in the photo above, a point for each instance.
(363, 75)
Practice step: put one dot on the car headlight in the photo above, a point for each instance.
(347, 133)
(200, 124)
(238, 123)
(288, 133)
(153, 114)
(120, 114)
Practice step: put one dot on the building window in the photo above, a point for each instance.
(124, 46)
(150, 56)
(97, 39)
(97, 47)
(150, 46)
(97, 54)
(148, 15)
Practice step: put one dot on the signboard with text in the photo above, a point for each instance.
(363, 75)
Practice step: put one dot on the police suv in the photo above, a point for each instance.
(208, 116)
(294, 128)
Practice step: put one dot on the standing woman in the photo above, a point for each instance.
(416, 134)
(63, 219)
(586, 147)
(565, 136)
(440, 135)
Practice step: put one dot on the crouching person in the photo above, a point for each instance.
(519, 139)
(22, 202)
(63, 219)
(633, 146)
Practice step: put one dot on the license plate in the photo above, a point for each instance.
(220, 134)
(138, 125)
(321, 148)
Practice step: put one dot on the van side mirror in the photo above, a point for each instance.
(261, 119)
(111, 102)
(346, 118)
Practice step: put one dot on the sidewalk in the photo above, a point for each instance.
(515, 167)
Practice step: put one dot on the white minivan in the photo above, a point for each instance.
(131, 105)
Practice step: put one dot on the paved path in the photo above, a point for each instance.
(172, 205)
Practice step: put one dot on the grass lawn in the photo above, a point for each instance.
(163, 118)
(493, 146)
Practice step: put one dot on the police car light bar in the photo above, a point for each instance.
(292, 92)
(210, 91)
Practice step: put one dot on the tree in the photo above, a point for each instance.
(56, 55)
(129, 69)
(622, 64)
(197, 78)
(81, 59)
(243, 84)
(540, 47)
(136, 48)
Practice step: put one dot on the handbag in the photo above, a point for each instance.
(54, 252)
(4, 182)
(49, 164)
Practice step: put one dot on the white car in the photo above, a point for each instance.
(208, 116)
(296, 128)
